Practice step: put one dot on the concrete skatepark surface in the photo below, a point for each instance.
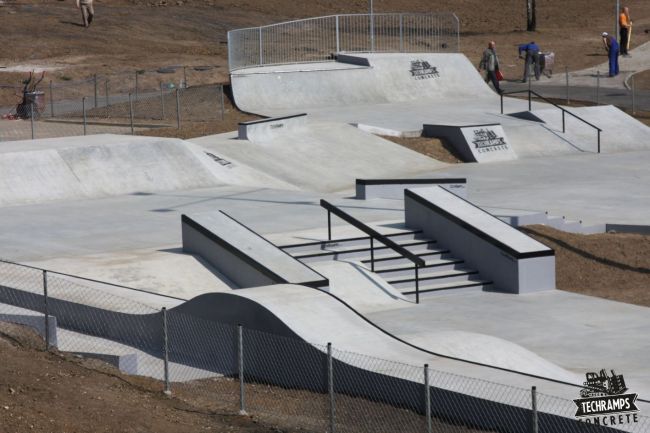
(112, 210)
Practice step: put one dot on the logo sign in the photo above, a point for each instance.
(605, 401)
(486, 140)
(421, 70)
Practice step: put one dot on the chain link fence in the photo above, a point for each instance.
(283, 381)
(118, 104)
(319, 39)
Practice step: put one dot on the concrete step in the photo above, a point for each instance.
(406, 269)
(307, 247)
(437, 289)
(430, 256)
(457, 275)
(380, 251)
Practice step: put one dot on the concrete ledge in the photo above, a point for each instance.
(394, 188)
(242, 255)
(515, 262)
(266, 128)
(35, 321)
(125, 363)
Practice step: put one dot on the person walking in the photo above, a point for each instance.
(532, 59)
(87, 11)
(611, 45)
(490, 64)
(625, 24)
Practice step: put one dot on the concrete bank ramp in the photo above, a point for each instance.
(318, 156)
(358, 80)
(98, 166)
(316, 317)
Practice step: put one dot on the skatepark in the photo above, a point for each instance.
(310, 224)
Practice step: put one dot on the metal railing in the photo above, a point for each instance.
(319, 39)
(373, 234)
(564, 110)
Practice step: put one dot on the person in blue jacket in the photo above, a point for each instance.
(613, 50)
(531, 51)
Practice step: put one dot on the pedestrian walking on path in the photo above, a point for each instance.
(626, 30)
(531, 51)
(490, 64)
(87, 11)
(611, 45)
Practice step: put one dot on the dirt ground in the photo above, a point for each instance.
(642, 80)
(613, 266)
(432, 147)
(144, 34)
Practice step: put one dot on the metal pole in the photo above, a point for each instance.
(633, 96)
(131, 114)
(46, 312)
(616, 12)
(338, 39)
(162, 103)
(501, 102)
(223, 105)
(240, 364)
(417, 284)
(330, 387)
(96, 101)
(260, 41)
(401, 33)
(83, 109)
(568, 102)
(106, 96)
(329, 226)
(599, 141)
(167, 390)
(597, 87)
(51, 100)
(534, 421)
(372, 28)
(178, 109)
(427, 398)
(372, 254)
(31, 117)
(184, 77)
(530, 95)
(563, 122)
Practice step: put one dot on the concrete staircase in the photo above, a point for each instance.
(442, 273)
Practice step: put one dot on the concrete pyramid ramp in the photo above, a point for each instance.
(357, 80)
(98, 166)
(318, 156)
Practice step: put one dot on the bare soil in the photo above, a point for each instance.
(431, 147)
(613, 266)
(642, 80)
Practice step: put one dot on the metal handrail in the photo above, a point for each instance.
(564, 110)
(373, 234)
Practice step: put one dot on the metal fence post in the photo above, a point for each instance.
(633, 96)
(567, 85)
(223, 106)
(185, 86)
(51, 100)
(401, 33)
(427, 398)
(372, 28)
(131, 114)
(46, 312)
(83, 109)
(534, 427)
(240, 366)
(530, 94)
(162, 103)
(136, 86)
(597, 87)
(330, 387)
(31, 117)
(178, 109)
(96, 101)
(107, 98)
(261, 52)
(338, 36)
(167, 389)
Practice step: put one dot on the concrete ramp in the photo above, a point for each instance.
(91, 167)
(357, 80)
(318, 156)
